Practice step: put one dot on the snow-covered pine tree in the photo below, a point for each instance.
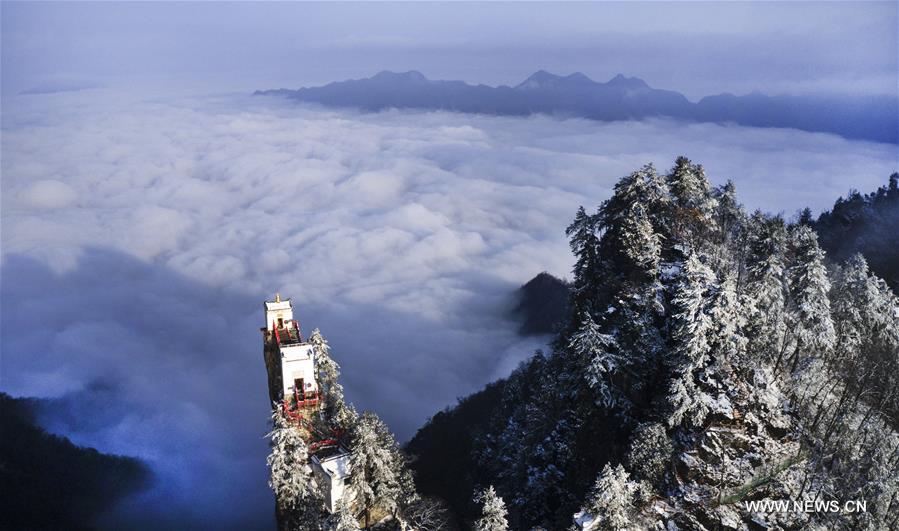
(337, 411)
(691, 325)
(729, 214)
(866, 320)
(864, 307)
(328, 369)
(639, 241)
(493, 511)
(807, 316)
(407, 496)
(628, 301)
(853, 293)
(764, 293)
(612, 498)
(584, 242)
(728, 321)
(296, 492)
(622, 242)
(631, 241)
(649, 453)
(599, 353)
(342, 519)
(376, 465)
(730, 219)
(694, 206)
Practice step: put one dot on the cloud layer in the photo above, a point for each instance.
(139, 238)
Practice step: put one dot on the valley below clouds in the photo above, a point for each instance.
(140, 237)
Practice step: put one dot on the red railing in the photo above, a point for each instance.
(318, 445)
(302, 399)
(291, 405)
(296, 326)
(321, 440)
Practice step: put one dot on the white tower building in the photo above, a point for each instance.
(290, 360)
(291, 366)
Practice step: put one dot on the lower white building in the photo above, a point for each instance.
(332, 471)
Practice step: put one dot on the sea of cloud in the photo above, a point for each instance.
(140, 236)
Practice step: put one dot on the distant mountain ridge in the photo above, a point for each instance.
(620, 98)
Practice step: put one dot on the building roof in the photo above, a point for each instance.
(278, 304)
(333, 461)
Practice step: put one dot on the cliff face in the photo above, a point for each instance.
(713, 369)
(866, 224)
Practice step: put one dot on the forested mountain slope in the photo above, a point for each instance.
(866, 224)
(47, 482)
(711, 359)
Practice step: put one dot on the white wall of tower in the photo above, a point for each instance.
(298, 361)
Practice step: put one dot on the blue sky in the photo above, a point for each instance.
(698, 48)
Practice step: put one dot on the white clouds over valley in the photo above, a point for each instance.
(140, 237)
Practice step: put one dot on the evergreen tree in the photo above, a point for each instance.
(695, 208)
(584, 242)
(493, 511)
(764, 296)
(865, 308)
(808, 316)
(342, 519)
(611, 501)
(291, 479)
(328, 369)
(599, 354)
(649, 453)
(639, 241)
(339, 414)
(866, 321)
(691, 325)
(407, 496)
(728, 321)
(622, 319)
(730, 220)
(376, 465)
(629, 222)
(688, 184)
(805, 217)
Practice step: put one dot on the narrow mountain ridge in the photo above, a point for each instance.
(866, 224)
